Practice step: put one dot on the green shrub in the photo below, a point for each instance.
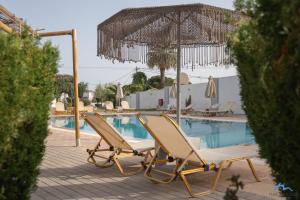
(267, 52)
(234, 187)
(64, 84)
(27, 72)
(86, 102)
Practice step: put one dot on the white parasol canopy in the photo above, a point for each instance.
(119, 94)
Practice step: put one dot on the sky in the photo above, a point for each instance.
(84, 16)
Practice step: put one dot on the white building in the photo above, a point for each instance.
(89, 95)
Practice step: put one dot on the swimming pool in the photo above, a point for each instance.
(203, 133)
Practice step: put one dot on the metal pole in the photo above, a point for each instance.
(76, 101)
(178, 70)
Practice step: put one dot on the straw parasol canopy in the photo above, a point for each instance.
(127, 35)
(197, 33)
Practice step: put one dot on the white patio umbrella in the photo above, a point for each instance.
(119, 94)
(173, 94)
(173, 91)
(211, 90)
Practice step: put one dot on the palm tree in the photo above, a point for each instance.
(163, 57)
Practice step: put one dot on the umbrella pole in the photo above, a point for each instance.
(178, 111)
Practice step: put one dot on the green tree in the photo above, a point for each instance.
(126, 90)
(266, 52)
(154, 82)
(100, 93)
(139, 83)
(111, 91)
(64, 84)
(27, 74)
(139, 78)
(106, 92)
(82, 88)
(162, 57)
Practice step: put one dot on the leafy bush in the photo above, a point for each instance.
(86, 102)
(82, 88)
(64, 84)
(27, 73)
(154, 82)
(234, 187)
(266, 51)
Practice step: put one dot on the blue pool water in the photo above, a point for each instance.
(203, 133)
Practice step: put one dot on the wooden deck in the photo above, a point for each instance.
(65, 174)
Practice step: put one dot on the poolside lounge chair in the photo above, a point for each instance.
(89, 108)
(184, 111)
(125, 106)
(118, 146)
(189, 161)
(187, 109)
(60, 108)
(226, 109)
(109, 106)
(81, 106)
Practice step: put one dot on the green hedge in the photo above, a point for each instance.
(27, 72)
(267, 52)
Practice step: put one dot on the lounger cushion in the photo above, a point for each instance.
(141, 146)
(225, 153)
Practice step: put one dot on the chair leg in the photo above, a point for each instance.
(189, 189)
(146, 157)
(107, 163)
(213, 184)
(149, 169)
(121, 169)
(217, 176)
(229, 164)
(253, 170)
(91, 153)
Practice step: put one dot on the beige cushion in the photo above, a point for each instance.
(224, 153)
(109, 105)
(60, 107)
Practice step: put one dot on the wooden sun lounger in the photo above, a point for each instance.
(172, 140)
(126, 107)
(227, 109)
(109, 107)
(60, 108)
(118, 146)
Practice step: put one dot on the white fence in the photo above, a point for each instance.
(228, 89)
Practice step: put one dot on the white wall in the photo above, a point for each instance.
(229, 90)
(199, 101)
(131, 99)
(149, 98)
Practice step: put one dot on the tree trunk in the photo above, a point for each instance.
(162, 77)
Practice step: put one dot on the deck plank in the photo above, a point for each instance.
(65, 174)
